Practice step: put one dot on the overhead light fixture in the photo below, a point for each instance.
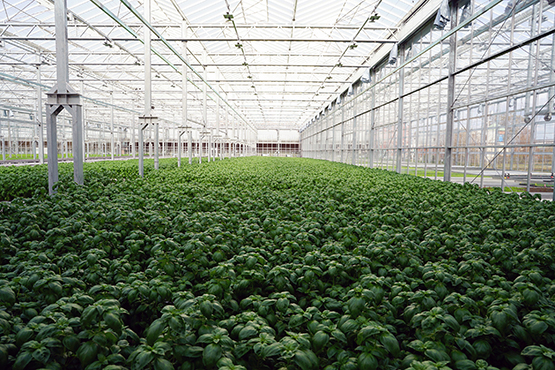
(239, 45)
(245, 64)
(374, 17)
(157, 75)
(547, 117)
(108, 43)
(354, 45)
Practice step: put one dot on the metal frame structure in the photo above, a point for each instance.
(105, 52)
(112, 104)
(473, 101)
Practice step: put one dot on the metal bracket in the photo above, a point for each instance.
(144, 121)
(63, 99)
(183, 129)
(63, 95)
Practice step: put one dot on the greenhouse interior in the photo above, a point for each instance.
(277, 184)
(459, 93)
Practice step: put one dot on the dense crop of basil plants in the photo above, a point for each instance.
(260, 263)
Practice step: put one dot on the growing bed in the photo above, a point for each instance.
(267, 263)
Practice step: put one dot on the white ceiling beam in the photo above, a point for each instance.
(212, 26)
(207, 39)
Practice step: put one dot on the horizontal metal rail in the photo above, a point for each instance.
(206, 39)
(210, 25)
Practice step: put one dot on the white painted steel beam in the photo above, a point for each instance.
(210, 26)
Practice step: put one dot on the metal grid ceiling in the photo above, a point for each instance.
(276, 62)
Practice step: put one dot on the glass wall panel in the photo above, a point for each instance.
(501, 91)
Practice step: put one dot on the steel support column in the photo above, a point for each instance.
(156, 145)
(190, 145)
(77, 141)
(180, 133)
(355, 151)
(217, 135)
(40, 123)
(63, 96)
(447, 160)
(52, 142)
(84, 126)
(210, 146)
(10, 144)
(342, 133)
(227, 136)
(233, 138)
(112, 148)
(399, 162)
(204, 93)
(184, 90)
(372, 125)
(333, 114)
(326, 136)
(536, 67)
(148, 72)
(146, 119)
